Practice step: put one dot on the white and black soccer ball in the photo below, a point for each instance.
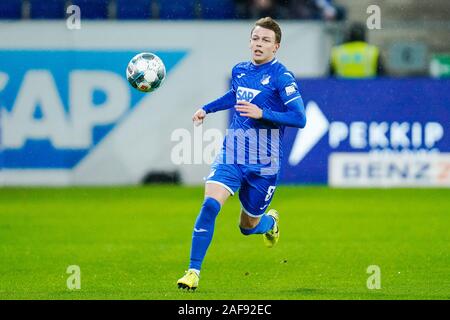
(146, 72)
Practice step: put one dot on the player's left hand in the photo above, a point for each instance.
(247, 109)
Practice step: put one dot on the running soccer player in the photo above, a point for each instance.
(266, 100)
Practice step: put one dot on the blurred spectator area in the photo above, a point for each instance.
(392, 10)
(292, 9)
(172, 9)
(405, 10)
(412, 31)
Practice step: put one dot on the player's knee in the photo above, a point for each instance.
(211, 204)
(216, 192)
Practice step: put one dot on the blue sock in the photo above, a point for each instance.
(203, 231)
(265, 224)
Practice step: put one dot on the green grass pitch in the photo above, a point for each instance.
(134, 242)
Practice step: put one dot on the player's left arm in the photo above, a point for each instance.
(294, 116)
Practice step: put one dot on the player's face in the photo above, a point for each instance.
(263, 45)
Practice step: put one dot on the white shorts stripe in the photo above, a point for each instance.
(250, 214)
(221, 184)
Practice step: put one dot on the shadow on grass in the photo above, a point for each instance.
(305, 291)
(298, 293)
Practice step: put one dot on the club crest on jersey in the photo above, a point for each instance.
(246, 94)
(265, 79)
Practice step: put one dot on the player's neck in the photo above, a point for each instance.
(258, 64)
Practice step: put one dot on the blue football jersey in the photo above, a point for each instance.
(270, 86)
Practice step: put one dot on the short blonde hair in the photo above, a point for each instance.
(269, 23)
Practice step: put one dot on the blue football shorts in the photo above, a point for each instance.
(255, 189)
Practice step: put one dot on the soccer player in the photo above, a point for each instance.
(266, 100)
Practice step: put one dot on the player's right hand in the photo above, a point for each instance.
(198, 117)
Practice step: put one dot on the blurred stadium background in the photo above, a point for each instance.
(69, 118)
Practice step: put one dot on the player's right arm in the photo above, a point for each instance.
(227, 101)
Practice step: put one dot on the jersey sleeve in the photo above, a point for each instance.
(287, 88)
(233, 79)
(227, 101)
(294, 116)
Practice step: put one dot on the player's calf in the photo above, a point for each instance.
(256, 225)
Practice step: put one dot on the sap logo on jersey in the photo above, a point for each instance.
(246, 94)
(60, 104)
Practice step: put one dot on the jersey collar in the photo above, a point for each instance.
(269, 63)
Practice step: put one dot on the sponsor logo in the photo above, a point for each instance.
(389, 170)
(363, 135)
(59, 112)
(246, 94)
(290, 89)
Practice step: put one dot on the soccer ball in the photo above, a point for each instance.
(146, 72)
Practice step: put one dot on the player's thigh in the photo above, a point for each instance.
(224, 180)
(255, 195)
(217, 192)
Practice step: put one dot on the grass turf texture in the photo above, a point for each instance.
(133, 243)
